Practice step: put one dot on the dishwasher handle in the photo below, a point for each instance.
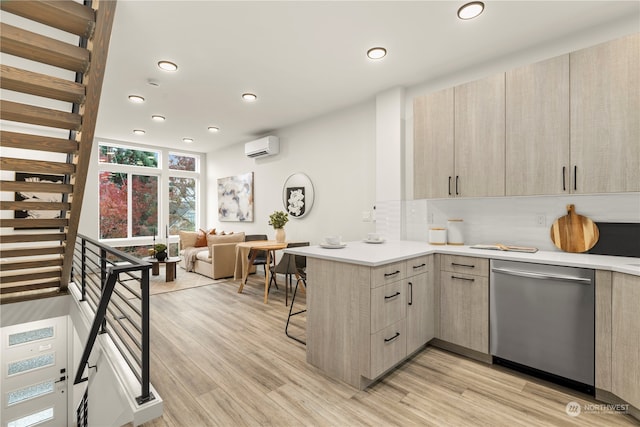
(542, 276)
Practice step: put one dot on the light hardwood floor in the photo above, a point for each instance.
(219, 358)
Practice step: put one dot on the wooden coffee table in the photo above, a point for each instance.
(170, 267)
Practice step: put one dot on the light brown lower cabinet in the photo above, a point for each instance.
(464, 302)
(625, 337)
(362, 321)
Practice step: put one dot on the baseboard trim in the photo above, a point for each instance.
(608, 397)
(463, 351)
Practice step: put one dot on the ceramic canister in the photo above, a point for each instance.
(455, 232)
(437, 236)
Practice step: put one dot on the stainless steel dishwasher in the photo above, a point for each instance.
(542, 318)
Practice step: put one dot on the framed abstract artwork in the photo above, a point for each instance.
(235, 198)
(298, 195)
(25, 196)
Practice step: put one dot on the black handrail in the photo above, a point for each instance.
(97, 269)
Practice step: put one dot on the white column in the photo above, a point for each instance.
(389, 162)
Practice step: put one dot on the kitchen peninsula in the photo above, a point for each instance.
(370, 306)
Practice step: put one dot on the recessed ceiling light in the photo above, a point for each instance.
(187, 140)
(167, 66)
(470, 10)
(377, 53)
(249, 97)
(136, 99)
(213, 129)
(139, 132)
(157, 118)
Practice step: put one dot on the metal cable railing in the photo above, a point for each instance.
(115, 286)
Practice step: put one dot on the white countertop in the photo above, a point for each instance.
(373, 255)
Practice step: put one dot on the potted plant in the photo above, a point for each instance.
(278, 219)
(161, 251)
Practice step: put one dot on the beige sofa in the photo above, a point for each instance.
(216, 260)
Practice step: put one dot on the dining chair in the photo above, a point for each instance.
(261, 256)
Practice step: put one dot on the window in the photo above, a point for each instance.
(143, 197)
(182, 204)
(128, 156)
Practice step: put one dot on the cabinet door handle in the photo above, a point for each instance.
(575, 177)
(387, 340)
(463, 278)
(391, 296)
(449, 188)
(564, 178)
(410, 293)
(391, 274)
(415, 267)
(455, 264)
(457, 179)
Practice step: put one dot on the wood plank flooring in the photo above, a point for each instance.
(219, 358)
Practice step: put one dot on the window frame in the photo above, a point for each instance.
(163, 173)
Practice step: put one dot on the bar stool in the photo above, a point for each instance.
(286, 266)
(301, 277)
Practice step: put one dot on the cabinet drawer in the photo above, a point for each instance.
(388, 347)
(387, 273)
(465, 265)
(388, 305)
(418, 265)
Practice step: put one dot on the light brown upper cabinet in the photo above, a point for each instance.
(605, 117)
(537, 128)
(433, 145)
(479, 138)
(471, 164)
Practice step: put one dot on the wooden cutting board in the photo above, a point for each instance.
(573, 232)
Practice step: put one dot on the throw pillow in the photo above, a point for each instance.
(201, 241)
(188, 239)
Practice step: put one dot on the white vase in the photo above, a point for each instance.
(280, 235)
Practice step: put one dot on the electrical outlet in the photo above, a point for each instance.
(541, 220)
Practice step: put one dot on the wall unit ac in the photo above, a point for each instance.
(267, 146)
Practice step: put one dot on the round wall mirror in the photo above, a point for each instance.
(297, 195)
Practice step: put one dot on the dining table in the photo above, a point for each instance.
(246, 253)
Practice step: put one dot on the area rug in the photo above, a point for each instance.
(184, 280)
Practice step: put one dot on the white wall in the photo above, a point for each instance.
(336, 151)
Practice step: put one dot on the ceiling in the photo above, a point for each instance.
(303, 59)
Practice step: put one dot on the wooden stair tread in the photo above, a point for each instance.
(34, 222)
(40, 206)
(35, 47)
(29, 287)
(23, 265)
(24, 113)
(64, 15)
(31, 251)
(27, 141)
(28, 277)
(36, 187)
(40, 166)
(29, 238)
(24, 81)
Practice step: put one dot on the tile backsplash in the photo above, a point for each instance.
(522, 221)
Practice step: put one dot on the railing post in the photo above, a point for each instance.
(83, 262)
(103, 279)
(144, 288)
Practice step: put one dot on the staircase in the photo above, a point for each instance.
(52, 72)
